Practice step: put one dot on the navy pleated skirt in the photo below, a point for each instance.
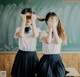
(24, 64)
(51, 66)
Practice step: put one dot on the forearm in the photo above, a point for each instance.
(34, 29)
(49, 36)
(56, 36)
(21, 31)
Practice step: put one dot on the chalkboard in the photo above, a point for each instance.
(69, 14)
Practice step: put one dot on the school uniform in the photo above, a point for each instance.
(51, 64)
(26, 58)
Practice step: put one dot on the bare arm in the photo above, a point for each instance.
(34, 28)
(47, 39)
(21, 31)
(56, 36)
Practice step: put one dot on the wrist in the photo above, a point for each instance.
(33, 22)
(50, 29)
(54, 27)
(23, 23)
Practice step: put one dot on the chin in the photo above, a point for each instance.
(28, 24)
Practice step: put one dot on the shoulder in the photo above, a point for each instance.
(43, 33)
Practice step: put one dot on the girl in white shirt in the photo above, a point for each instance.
(51, 64)
(26, 59)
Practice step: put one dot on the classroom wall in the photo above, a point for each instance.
(68, 12)
(69, 60)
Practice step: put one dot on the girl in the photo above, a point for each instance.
(26, 58)
(51, 64)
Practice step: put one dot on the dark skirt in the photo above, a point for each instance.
(51, 66)
(24, 64)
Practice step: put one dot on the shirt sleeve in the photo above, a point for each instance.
(41, 35)
(17, 30)
(60, 40)
(38, 31)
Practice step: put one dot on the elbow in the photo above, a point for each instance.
(48, 41)
(35, 35)
(57, 42)
(19, 35)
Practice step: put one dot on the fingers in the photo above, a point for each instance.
(55, 24)
(23, 16)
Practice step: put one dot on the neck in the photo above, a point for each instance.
(27, 25)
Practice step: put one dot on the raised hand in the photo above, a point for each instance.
(23, 17)
(34, 17)
(55, 24)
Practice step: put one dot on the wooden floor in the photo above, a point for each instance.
(69, 60)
